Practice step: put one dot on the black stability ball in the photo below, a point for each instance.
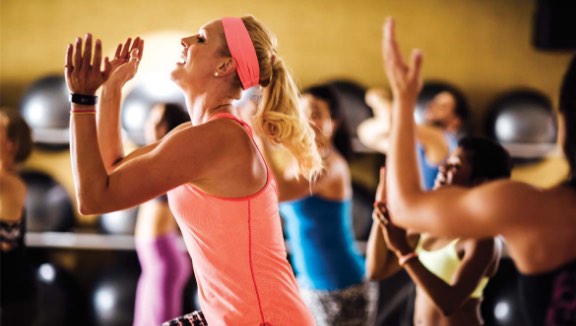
(46, 108)
(114, 293)
(59, 299)
(48, 204)
(502, 304)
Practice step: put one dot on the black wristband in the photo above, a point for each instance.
(83, 99)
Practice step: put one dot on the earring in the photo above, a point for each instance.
(216, 74)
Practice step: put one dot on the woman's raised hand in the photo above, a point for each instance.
(404, 79)
(83, 70)
(126, 60)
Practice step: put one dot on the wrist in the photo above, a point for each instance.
(111, 89)
(83, 99)
(403, 251)
(404, 259)
(114, 84)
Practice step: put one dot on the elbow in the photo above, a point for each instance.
(398, 212)
(404, 209)
(86, 208)
(89, 204)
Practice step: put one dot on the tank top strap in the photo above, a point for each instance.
(226, 115)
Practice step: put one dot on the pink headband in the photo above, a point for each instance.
(242, 50)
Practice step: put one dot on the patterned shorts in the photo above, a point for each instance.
(346, 307)
(195, 318)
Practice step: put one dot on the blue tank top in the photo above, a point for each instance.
(429, 171)
(320, 236)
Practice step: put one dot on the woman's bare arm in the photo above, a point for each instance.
(483, 211)
(187, 155)
(381, 262)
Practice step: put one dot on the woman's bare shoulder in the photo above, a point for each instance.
(513, 200)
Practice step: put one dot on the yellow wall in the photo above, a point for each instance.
(484, 46)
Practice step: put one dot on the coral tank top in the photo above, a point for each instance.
(239, 256)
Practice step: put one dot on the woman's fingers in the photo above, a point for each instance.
(107, 69)
(381, 213)
(126, 48)
(140, 49)
(134, 55)
(68, 62)
(78, 54)
(135, 44)
(118, 50)
(391, 50)
(415, 64)
(98, 55)
(87, 56)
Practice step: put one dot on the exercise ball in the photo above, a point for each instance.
(114, 293)
(502, 304)
(155, 89)
(46, 108)
(524, 122)
(119, 222)
(58, 297)
(48, 205)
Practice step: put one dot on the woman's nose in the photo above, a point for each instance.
(186, 41)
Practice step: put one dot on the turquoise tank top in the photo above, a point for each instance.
(321, 241)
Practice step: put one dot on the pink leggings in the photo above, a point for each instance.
(165, 270)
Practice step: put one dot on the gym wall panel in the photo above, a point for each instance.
(484, 46)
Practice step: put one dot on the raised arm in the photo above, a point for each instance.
(139, 177)
(483, 211)
(123, 68)
(380, 261)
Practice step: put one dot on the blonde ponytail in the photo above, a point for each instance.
(279, 118)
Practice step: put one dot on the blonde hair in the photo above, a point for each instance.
(279, 118)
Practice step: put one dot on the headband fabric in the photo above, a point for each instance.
(242, 50)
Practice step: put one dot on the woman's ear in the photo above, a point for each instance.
(226, 67)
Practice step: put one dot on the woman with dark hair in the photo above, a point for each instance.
(318, 220)
(17, 306)
(450, 273)
(538, 225)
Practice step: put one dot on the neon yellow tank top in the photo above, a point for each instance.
(444, 262)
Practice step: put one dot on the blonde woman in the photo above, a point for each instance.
(219, 187)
